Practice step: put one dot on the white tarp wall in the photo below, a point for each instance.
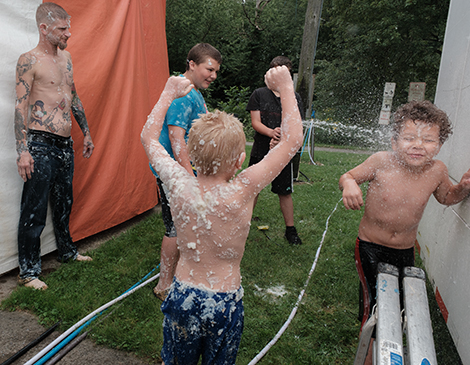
(444, 233)
(19, 34)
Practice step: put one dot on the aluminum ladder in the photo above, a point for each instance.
(386, 318)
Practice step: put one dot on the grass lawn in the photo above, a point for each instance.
(325, 328)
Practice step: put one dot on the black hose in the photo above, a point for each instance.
(30, 345)
(308, 180)
(66, 349)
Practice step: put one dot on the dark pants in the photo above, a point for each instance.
(201, 323)
(170, 229)
(368, 255)
(50, 181)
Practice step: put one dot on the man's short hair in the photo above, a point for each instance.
(281, 61)
(216, 141)
(48, 13)
(200, 52)
(426, 112)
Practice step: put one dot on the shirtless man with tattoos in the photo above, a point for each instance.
(46, 97)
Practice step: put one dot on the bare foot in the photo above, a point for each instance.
(36, 284)
(83, 258)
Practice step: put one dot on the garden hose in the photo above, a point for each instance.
(294, 310)
(30, 345)
(73, 331)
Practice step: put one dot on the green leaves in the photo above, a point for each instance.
(364, 44)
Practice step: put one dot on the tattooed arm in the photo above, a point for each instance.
(24, 82)
(79, 113)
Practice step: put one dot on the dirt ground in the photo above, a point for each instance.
(18, 329)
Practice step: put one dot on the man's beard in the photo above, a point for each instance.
(57, 42)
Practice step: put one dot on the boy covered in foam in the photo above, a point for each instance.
(212, 212)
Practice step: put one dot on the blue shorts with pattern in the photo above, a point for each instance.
(201, 323)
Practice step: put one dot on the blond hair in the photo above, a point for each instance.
(216, 141)
(48, 13)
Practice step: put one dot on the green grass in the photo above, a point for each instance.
(325, 329)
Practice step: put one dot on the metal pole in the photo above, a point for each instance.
(364, 340)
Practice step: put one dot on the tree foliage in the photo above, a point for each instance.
(229, 26)
(362, 44)
(366, 43)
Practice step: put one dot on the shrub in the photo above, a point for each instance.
(237, 98)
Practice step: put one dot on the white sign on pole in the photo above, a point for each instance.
(416, 91)
(385, 113)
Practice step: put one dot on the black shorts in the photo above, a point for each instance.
(283, 184)
(368, 255)
(170, 229)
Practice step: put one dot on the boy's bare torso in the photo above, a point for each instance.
(212, 213)
(51, 91)
(396, 198)
(213, 223)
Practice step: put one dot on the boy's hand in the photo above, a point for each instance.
(275, 138)
(178, 86)
(352, 195)
(273, 143)
(276, 133)
(465, 180)
(278, 79)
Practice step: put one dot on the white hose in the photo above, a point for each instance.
(126, 294)
(310, 129)
(91, 315)
(294, 311)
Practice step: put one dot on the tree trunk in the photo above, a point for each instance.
(307, 54)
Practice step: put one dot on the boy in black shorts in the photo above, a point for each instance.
(401, 182)
(265, 109)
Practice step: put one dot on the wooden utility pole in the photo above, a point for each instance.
(307, 54)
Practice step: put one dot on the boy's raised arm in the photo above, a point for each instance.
(448, 193)
(278, 79)
(176, 87)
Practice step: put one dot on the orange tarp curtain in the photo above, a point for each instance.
(120, 63)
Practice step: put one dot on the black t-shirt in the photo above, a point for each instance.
(270, 109)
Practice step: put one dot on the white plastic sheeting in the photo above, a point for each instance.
(444, 233)
(18, 34)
